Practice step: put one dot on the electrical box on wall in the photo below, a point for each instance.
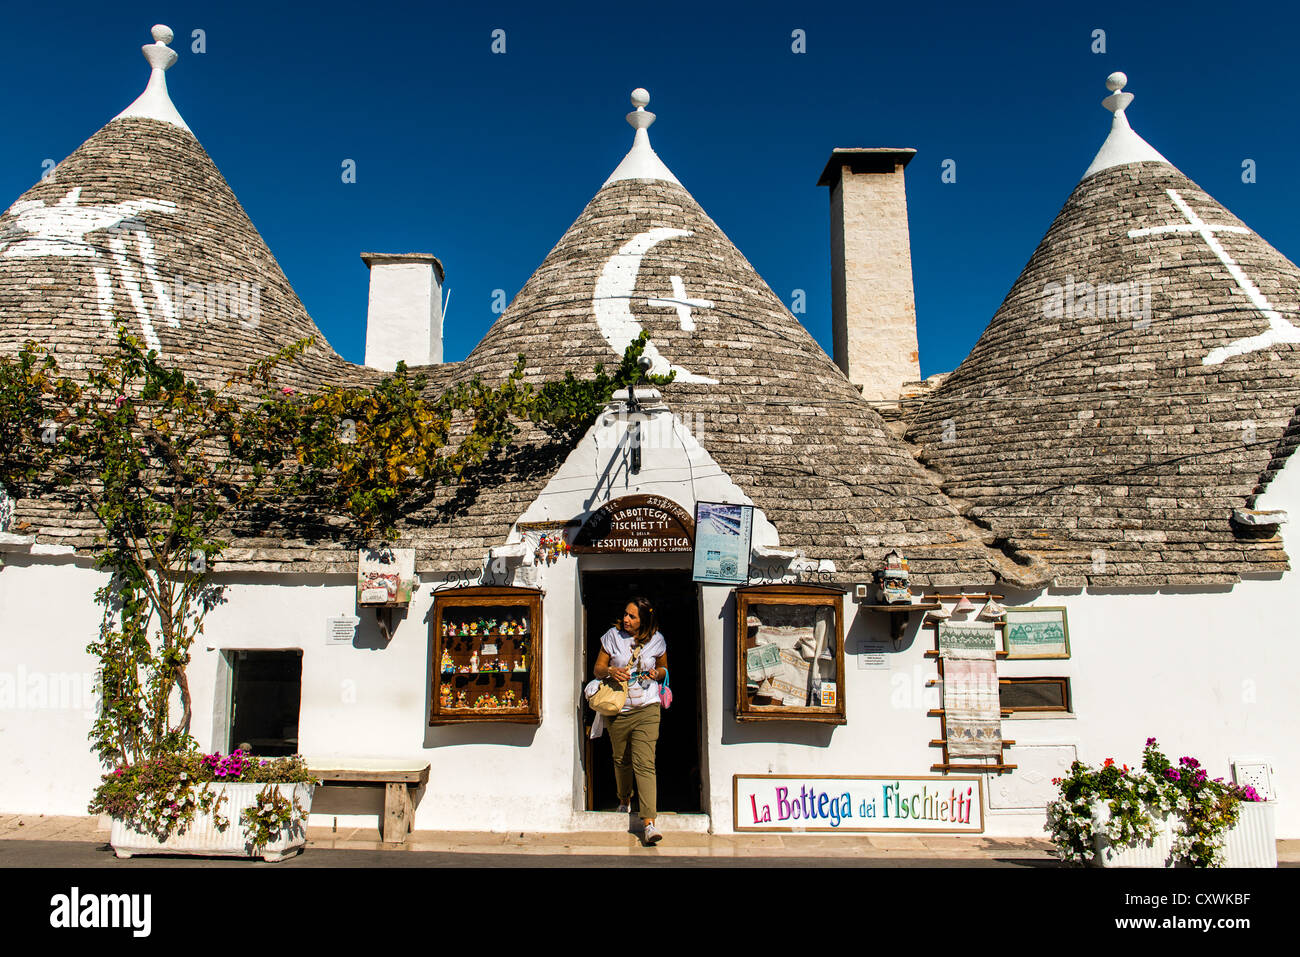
(1256, 773)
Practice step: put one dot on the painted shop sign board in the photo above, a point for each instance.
(636, 523)
(385, 576)
(1036, 632)
(841, 803)
(722, 543)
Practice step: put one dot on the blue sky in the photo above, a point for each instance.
(485, 159)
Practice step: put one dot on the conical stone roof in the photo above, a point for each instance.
(1133, 389)
(761, 395)
(138, 225)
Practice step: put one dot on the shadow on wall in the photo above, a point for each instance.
(451, 736)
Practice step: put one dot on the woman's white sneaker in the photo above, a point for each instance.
(651, 835)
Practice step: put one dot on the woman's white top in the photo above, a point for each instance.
(642, 690)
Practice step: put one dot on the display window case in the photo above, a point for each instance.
(487, 655)
(790, 654)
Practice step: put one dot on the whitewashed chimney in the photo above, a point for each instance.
(404, 319)
(873, 308)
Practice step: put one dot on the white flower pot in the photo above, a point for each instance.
(203, 839)
(1251, 842)
(1159, 853)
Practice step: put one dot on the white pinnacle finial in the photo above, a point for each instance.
(641, 161)
(155, 103)
(1117, 102)
(640, 118)
(1122, 145)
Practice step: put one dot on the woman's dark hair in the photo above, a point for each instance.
(649, 621)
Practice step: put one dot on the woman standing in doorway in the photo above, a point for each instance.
(636, 652)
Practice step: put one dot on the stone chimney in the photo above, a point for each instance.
(404, 320)
(873, 311)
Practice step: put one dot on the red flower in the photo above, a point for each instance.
(1108, 763)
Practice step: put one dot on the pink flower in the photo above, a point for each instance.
(287, 391)
(120, 400)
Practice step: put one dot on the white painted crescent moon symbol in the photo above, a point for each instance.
(614, 291)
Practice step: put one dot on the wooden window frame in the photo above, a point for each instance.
(749, 596)
(1063, 681)
(507, 598)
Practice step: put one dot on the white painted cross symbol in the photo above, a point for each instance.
(682, 304)
(1279, 329)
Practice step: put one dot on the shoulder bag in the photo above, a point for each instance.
(607, 695)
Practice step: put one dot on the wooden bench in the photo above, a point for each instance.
(398, 776)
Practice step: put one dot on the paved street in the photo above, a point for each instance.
(76, 854)
(80, 842)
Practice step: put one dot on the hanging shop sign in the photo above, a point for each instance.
(723, 535)
(841, 803)
(385, 576)
(636, 523)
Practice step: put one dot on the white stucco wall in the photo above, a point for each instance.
(47, 617)
(1209, 673)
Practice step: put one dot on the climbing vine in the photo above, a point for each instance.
(173, 470)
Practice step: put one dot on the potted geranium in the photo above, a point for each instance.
(1158, 815)
(197, 804)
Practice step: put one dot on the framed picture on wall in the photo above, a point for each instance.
(722, 543)
(1036, 631)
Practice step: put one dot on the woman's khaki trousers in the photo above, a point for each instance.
(634, 734)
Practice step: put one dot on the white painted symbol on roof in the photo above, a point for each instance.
(614, 291)
(682, 304)
(60, 230)
(1279, 329)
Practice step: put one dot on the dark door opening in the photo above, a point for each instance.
(677, 759)
(265, 696)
